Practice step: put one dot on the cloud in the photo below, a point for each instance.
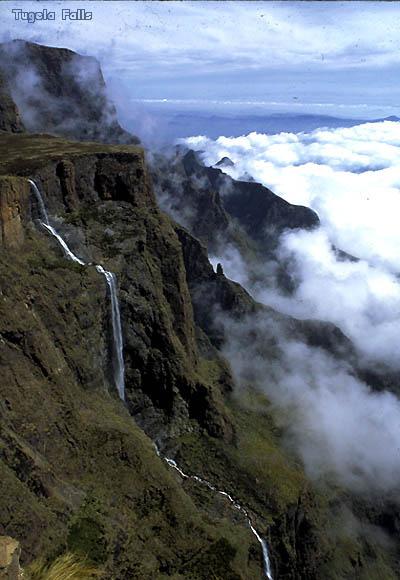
(342, 431)
(196, 49)
(350, 176)
(358, 207)
(338, 425)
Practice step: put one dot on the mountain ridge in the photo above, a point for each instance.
(79, 470)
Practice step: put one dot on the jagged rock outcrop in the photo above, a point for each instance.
(9, 559)
(218, 209)
(225, 162)
(61, 92)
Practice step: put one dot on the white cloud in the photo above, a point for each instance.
(207, 33)
(341, 429)
(352, 178)
(358, 208)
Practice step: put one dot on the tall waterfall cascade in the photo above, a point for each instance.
(118, 359)
(264, 546)
(119, 372)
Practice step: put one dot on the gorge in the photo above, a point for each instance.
(95, 375)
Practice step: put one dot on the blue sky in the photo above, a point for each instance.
(329, 57)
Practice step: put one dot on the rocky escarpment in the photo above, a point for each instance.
(218, 209)
(110, 492)
(61, 92)
(78, 468)
(111, 497)
(14, 210)
(108, 206)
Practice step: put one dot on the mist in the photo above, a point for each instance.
(343, 432)
(340, 427)
(35, 82)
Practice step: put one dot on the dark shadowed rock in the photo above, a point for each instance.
(218, 208)
(61, 92)
(10, 119)
(225, 162)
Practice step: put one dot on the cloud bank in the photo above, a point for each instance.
(351, 177)
(186, 50)
(341, 429)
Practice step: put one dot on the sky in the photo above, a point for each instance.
(339, 58)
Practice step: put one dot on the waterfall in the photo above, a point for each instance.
(42, 207)
(118, 359)
(119, 372)
(264, 546)
(119, 366)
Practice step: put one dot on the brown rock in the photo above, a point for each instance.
(14, 207)
(9, 559)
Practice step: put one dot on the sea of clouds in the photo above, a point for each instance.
(351, 178)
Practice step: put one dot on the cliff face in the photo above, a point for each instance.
(9, 115)
(78, 468)
(14, 210)
(110, 496)
(218, 209)
(61, 92)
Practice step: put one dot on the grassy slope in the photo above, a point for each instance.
(75, 468)
(78, 474)
(23, 153)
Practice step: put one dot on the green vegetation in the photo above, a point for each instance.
(77, 474)
(66, 567)
(23, 153)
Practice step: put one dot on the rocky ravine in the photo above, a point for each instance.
(78, 468)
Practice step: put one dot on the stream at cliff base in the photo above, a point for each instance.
(264, 546)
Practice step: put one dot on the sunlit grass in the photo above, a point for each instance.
(66, 567)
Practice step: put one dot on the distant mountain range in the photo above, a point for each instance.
(181, 125)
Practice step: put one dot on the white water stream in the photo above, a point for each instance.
(119, 371)
(266, 561)
(118, 358)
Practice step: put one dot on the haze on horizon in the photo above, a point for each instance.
(335, 58)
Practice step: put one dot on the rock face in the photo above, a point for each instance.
(78, 468)
(60, 92)
(54, 347)
(111, 497)
(9, 115)
(217, 208)
(225, 162)
(9, 559)
(14, 210)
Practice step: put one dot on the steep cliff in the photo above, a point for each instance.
(9, 115)
(61, 92)
(218, 209)
(77, 472)
(78, 468)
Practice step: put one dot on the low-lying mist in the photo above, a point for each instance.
(351, 177)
